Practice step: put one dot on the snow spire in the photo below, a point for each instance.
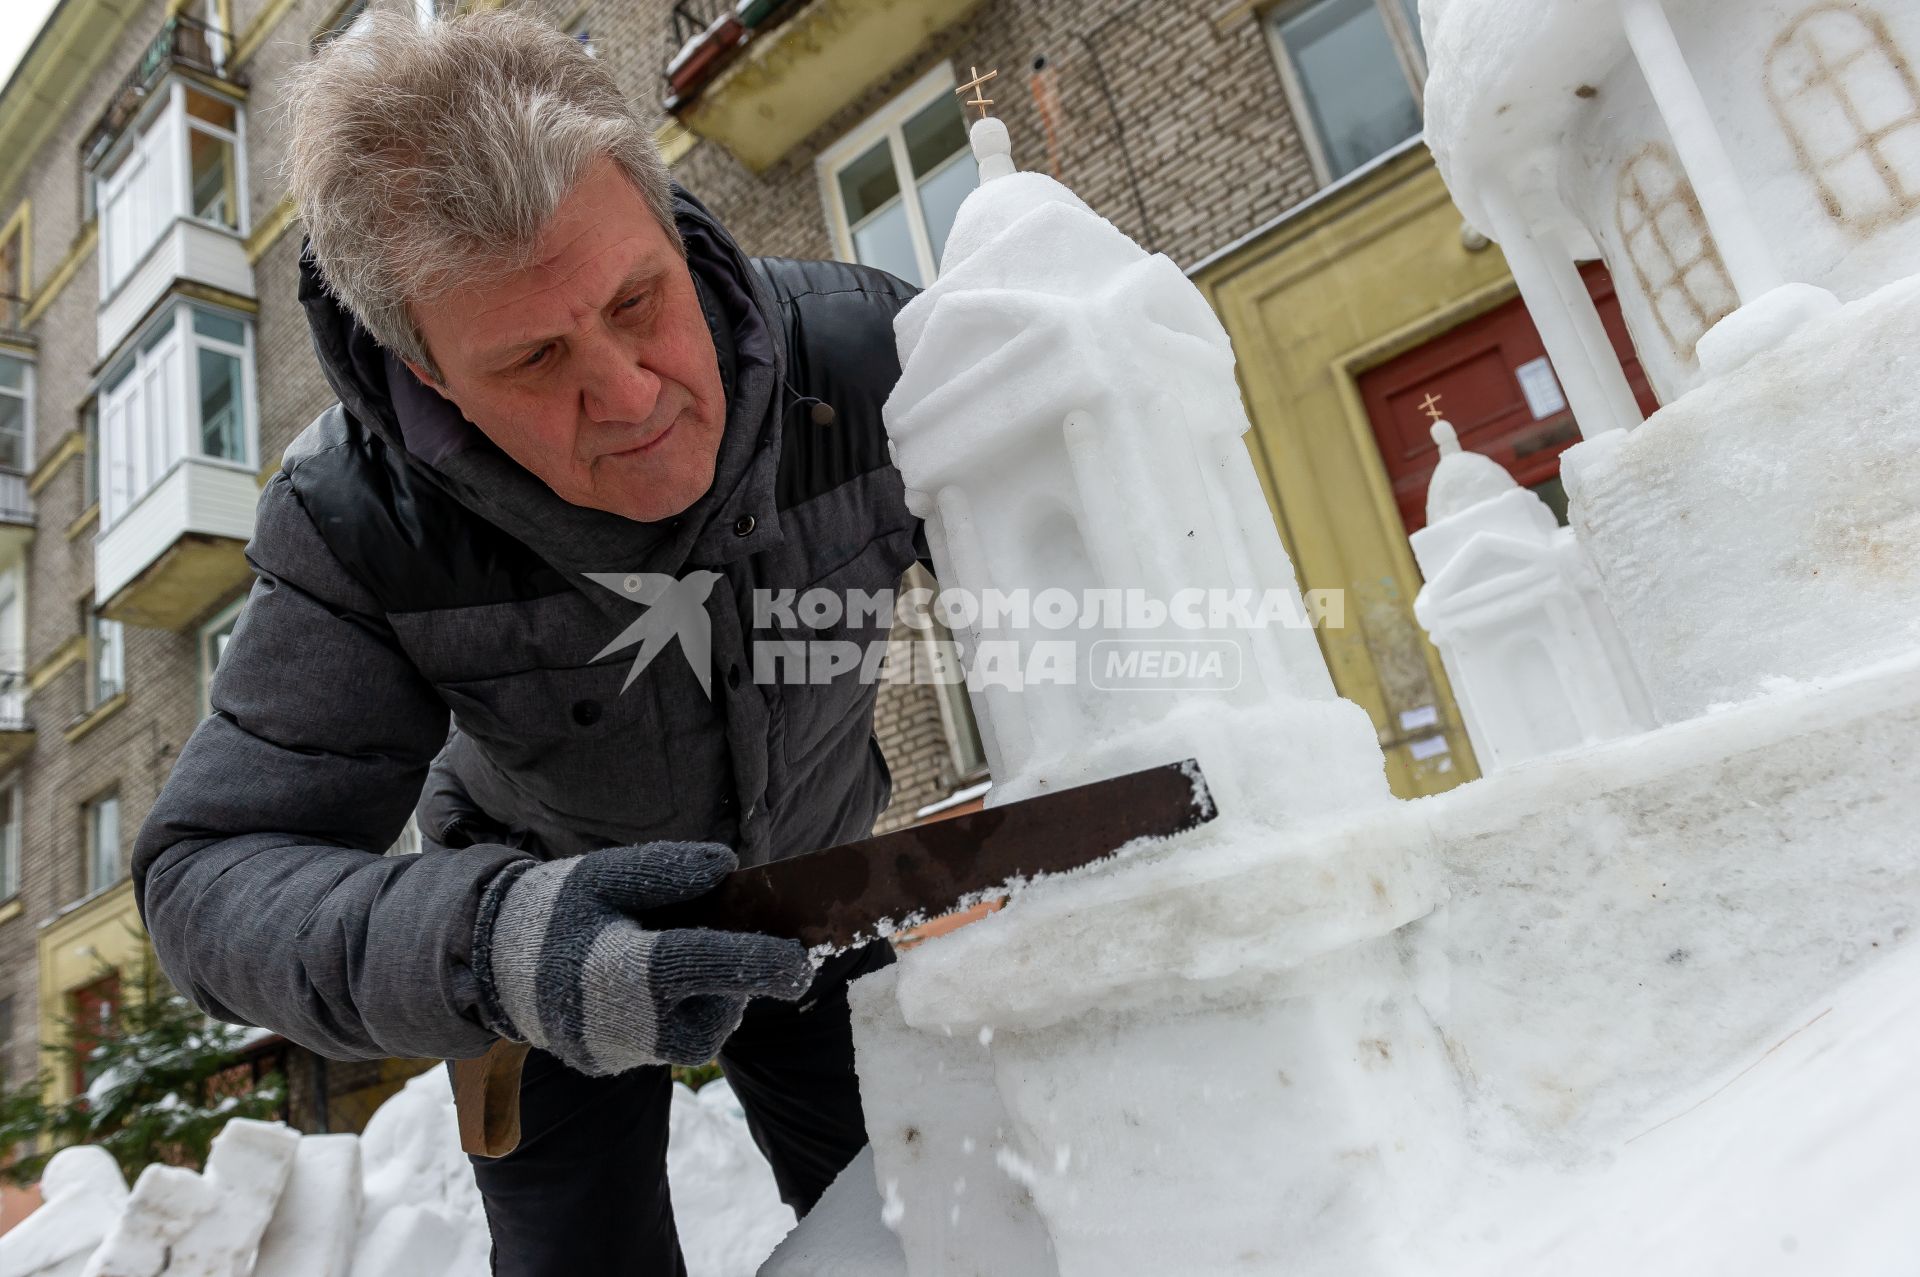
(1443, 435)
(992, 148)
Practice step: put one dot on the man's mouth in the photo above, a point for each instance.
(641, 449)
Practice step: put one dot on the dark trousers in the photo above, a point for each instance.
(585, 1193)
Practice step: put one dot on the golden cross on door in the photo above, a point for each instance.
(1432, 406)
(977, 99)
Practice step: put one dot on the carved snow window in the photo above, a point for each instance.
(1672, 253)
(1850, 104)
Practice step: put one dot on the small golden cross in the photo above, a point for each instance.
(1432, 406)
(977, 99)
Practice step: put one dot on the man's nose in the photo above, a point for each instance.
(618, 389)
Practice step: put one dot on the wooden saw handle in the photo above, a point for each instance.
(486, 1095)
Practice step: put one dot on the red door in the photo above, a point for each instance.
(94, 1007)
(1495, 385)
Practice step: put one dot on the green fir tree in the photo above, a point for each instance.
(163, 1080)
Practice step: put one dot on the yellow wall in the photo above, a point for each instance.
(1369, 272)
(75, 950)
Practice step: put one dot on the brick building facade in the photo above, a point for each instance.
(1178, 119)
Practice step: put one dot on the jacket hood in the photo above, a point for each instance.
(432, 438)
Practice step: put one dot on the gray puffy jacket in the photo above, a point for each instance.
(413, 579)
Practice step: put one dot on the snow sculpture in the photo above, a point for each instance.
(1514, 608)
(1751, 175)
(1067, 419)
(1505, 1029)
(1067, 422)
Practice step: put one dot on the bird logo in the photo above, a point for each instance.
(676, 609)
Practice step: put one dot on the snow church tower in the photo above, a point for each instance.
(1515, 609)
(1072, 427)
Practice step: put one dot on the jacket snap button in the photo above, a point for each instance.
(743, 525)
(586, 713)
(733, 676)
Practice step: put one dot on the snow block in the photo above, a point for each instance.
(842, 1236)
(166, 1202)
(417, 1241)
(248, 1167)
(82, 1195)
(1765, 526)
(317, 1220)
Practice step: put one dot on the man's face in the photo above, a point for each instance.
(593, 367)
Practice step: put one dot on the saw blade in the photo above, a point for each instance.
(837, 897)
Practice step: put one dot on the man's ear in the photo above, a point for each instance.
(427, 379)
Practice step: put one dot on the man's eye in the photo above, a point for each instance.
(537, 357)
(632, 301)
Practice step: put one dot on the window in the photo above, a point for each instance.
(1355, 70)
(9, 844)
(105, 866)
(184, 160)
(894, 185)
(1671, 248)
(186, 389)
(213, 645)
(408, 843)
(16, 414)
(13, 665)
(106, 659)
(90, 432)
(1846, 94)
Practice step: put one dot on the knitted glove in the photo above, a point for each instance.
(562, 963)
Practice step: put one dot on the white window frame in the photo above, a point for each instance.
(26, 397)
(10, 833)
(91, 812)
(1406, 46)
(149, 404)
(886, 123)
(134, 216)
(106, 659)
(208, 659)
(13, 636)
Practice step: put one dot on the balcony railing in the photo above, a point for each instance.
(183, 43)
(708, 33)
(762, 75)
(13, 698)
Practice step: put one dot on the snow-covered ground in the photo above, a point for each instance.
(397, 1201)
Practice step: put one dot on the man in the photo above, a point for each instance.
(559, 380)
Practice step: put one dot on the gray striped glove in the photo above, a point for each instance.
(563, 964)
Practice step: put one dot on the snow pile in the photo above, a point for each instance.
(725, 1205)
(396, 1201)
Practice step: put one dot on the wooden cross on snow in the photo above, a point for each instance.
(977, 99)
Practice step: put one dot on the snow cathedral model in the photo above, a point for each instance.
(1649, 1005)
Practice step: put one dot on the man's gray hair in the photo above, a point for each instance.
(425, 158)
